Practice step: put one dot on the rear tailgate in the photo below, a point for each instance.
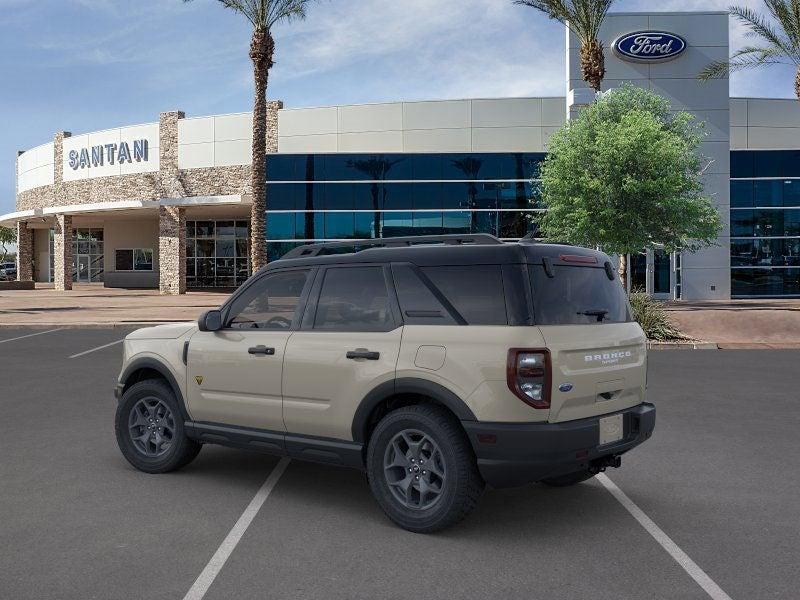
(601, 368)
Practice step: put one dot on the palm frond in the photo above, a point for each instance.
(583, 17)
(745, 58)
(759, 26)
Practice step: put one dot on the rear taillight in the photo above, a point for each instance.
(528, 376)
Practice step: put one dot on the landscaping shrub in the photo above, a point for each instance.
(655, 321)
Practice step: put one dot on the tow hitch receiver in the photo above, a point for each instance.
(601, 464)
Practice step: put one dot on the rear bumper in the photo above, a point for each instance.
(527, 452)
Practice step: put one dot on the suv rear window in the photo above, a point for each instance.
(577, 296)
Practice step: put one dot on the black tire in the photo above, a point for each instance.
(568, 479)
(179, 451)
(461, 486)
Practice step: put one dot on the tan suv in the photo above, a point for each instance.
(436, 364)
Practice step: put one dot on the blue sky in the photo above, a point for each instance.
(84, 65)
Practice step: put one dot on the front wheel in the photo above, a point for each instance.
(422, 470)
(150, 430)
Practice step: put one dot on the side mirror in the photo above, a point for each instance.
(210, 321)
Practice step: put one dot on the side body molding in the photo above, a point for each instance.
(406, 385)
(150, 363)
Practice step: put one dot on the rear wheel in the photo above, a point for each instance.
(422, 470)
(568, 479)
(150, 430)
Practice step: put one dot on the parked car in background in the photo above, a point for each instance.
(8, 271)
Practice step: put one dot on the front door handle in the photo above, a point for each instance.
(363, 353)
(261, 350)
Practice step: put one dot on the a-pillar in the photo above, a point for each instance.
(171, 250)
(24, 252)
(62, 253)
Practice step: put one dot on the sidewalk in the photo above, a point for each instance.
(740, 323)
(90, 305)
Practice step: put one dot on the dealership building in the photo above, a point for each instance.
(167, 204)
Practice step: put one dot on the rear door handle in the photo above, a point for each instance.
(363, 353)
(261, 350)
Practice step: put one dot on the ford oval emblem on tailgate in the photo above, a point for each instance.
(565, 387)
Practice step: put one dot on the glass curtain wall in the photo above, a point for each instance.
(765, 223)
(332, 197)
(217, 253)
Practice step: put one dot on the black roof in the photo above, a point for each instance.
(474, 249)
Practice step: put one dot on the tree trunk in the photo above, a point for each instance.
(797, 84)
(593, 64)
(262, 48)
(623, 271)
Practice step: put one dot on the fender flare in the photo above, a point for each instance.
(147, 362)
(406, 385)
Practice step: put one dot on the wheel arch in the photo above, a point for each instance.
(403, 392)
(147, 367)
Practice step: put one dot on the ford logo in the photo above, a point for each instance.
(649, 46)
(565, 387)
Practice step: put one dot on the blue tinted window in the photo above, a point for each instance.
(427, 223)
(281, 167)
(367, 225)
(791, 222)
(742, 164)
(768, 193)
(790, 165)
(484, 195)
(457, 222)
(339, 196)
(309, 226)
(485, 222)
(398, 224)
(741, 194)
(513, 224)
(742, 223)
(311, 196)
(765, 282)
(280, 226)
(339, 225)
(397, 196)
(455, 195)
(768, 163)
(426, 166)
(426, 195)
(367, 196)
(282, 196)
(791, 192)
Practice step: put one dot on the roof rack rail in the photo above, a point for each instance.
(392, 242)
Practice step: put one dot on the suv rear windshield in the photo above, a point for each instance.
(577, 296)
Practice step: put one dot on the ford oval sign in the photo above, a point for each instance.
(649, 46)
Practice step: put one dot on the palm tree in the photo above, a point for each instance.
(780, 42)
(263, 15)
(584, 19)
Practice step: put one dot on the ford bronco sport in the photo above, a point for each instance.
(436, 364)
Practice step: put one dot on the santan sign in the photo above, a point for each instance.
(97, 156)
(649, 46)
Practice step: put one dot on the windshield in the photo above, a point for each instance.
(577, 296)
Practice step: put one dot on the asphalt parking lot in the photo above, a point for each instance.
(719, 477)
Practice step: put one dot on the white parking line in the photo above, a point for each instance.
(22, 337)
(688, 565)
(96, 349)
(214, 566)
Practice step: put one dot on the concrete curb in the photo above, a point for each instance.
(682, 345)
(111, 325)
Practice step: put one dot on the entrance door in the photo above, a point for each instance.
(234, 374)
(83, 269)
(662, 273)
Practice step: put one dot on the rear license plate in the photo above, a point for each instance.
(610, 429)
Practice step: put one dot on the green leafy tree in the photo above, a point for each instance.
(625, 176)
(263, 15)
(7, 237)
(778, 40)
(584, 19)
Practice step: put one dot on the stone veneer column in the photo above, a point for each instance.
(171, 250)
(171, 219)
(62, 250)
(24, 252)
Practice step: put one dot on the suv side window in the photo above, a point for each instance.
(270, 303)
(476, 291)
(418, 303)
(354, 299)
